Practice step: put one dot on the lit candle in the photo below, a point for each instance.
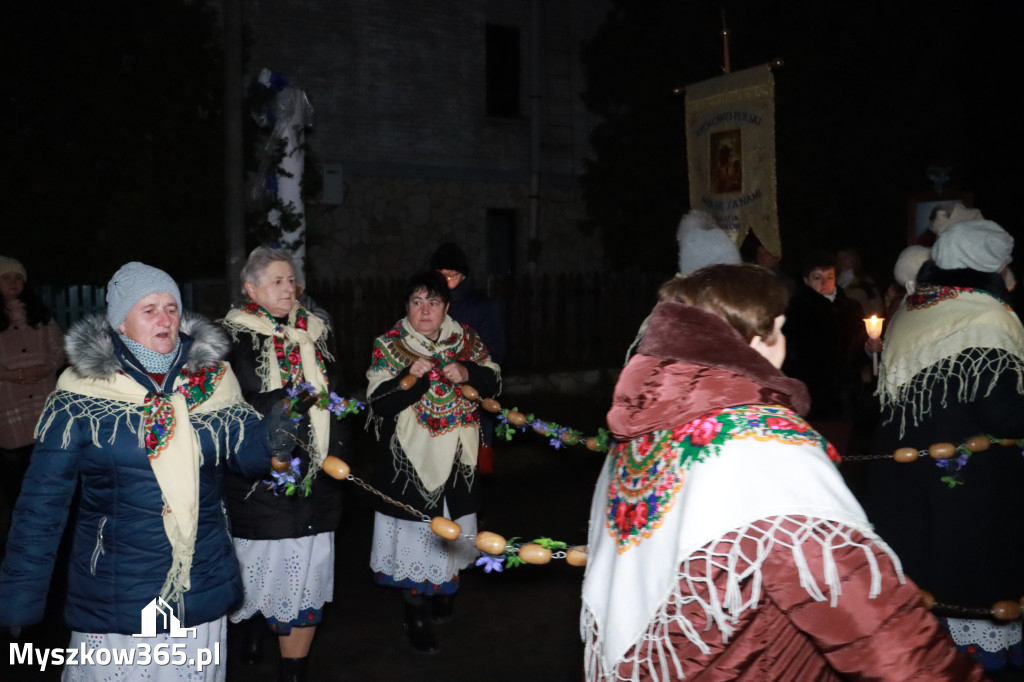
(873, 325)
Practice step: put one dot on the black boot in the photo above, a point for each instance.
(292, 670)
(418, 627)
(442, 607)
(253, 632)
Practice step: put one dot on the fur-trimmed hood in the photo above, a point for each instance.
(90, 348)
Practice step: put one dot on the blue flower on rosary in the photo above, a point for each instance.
(490, 563)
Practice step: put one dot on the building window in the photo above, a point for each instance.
(502, 71)
(501, 241)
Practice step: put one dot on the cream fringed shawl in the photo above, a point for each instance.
(311, 343)
(441, 428)
(944, 333)
(167, 426)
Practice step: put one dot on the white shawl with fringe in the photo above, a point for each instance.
(629, 592)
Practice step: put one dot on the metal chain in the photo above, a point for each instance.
(373, 491)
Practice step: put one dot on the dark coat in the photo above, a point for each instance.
(468, 306)
(120, 554)
(825, 350)
(260, 514)
(964, 544)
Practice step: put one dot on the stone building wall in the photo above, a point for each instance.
(399, 93)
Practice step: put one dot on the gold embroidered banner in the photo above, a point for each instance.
(730, 135)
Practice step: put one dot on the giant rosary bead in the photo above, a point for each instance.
(407, 382)
(336, 467)
(534, 554)
(904, 455)
(280, 465)
(978, 443)
(469, 393)
(491, 405)
(576, 556)
(515, 418)
(445, 528)
(942, 450)
(1006, 610)
(492, 543)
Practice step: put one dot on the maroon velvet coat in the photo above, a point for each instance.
(691, 363)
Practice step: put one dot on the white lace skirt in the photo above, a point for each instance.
(281, 578)
(409, 552)
(168, 656)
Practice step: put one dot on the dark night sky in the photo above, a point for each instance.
(871, 94)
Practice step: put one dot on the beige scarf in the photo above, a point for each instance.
(925, 343)
(176, 463)
(433, 432)
(310, 341)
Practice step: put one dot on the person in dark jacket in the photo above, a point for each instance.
(429, 441)
(283, 525)
(826, 337)
(470, 306)
(145, 422)
(953, 368)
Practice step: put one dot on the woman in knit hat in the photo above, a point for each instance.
(141, 422)
(953, 368)
(31, 352)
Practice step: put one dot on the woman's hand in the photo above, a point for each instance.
(455, 373)
(420, 367)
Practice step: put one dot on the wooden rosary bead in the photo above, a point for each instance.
(336, 468)
(576, 556)
(515, 418)
(592, 444)
(445, 528)
(492, 543)
(534, 554)
(928, 598)
(904, 455)
(407, 382)
(470, 393)
(978, 443)
(942, 450)
(1007, 442)
(1006, 610)
(491, 405)
(280, 465)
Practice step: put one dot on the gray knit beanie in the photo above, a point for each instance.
(132, 283)
(976, 244)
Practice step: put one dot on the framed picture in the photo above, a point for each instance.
(922, 207)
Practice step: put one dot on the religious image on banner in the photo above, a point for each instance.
(730, 134)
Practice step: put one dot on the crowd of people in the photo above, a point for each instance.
(728, 540)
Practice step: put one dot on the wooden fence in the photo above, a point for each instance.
(552, 322)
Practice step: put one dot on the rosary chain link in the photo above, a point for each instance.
(373, 491)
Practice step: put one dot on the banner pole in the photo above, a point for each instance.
(726, 66)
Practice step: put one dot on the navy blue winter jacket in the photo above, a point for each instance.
(120, 553)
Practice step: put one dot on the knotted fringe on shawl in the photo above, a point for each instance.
(965, 369)
(653, 650)
(226, 423)
(404, 467)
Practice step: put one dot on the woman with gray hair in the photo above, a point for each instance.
(283, 525)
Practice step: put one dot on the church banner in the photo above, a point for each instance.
(730, 135)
